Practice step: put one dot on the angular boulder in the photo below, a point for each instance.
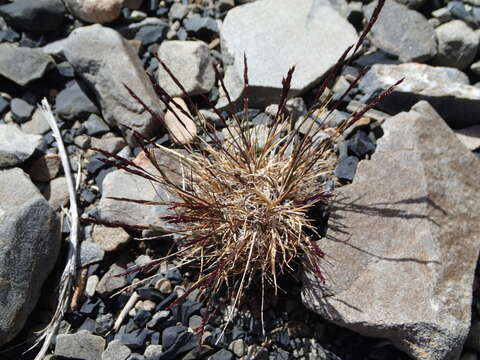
(446, 89)
(29, 245)
(37, 16)
(23, 65)
(15, 145)
(403, 241)
(277, 34)
(402, 32)
(106, 62)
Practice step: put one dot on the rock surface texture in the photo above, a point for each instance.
(37, 16)
(405, 241)
(273, 44)
(106, 62)
(15, 145)
(23, 65)
(95, 11)
(192, 65)
(122, 184)
(402, 32)
(446, 89)
(29, 244)
(457, 45)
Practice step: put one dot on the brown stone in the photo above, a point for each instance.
(45, 168)
(181, 127)
(404, 239)
(108, 238)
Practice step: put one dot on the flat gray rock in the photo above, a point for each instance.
(106, 62)
(81, 345)
(29, 245)
(402, 32)
(277, 34)
(23, 65)
(192, 65)
(403, 241)
(120, 183)
(446, 89)
(15, 145)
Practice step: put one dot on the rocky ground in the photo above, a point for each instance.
(400, 280)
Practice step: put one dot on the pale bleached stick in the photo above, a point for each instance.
(68, 276)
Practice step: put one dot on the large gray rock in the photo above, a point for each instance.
(36, 16)
(192, 65)
(15, 145)
(106, 62)
(23, 65)
(405, 241)
(277, 34)
(29, 245)
(402, 32)
(446, 89)
(457, 45)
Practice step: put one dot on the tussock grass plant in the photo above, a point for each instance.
(243, 205)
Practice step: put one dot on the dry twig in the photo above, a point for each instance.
(69, 273)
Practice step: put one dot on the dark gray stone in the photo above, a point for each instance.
(21, 110)
(361, 145)
(29, 245)
(95, 126)
(346, 168)
(36, 16)
(142, 317)
(412, 38)
(73, 104)
(90, 253)
(152, 34)
(4, 104)
(176, 340)
(95, 164)
(146, 293)
(135, 339)
(23, 65)
(107, 63)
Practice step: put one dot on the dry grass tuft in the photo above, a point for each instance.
(243, 205)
